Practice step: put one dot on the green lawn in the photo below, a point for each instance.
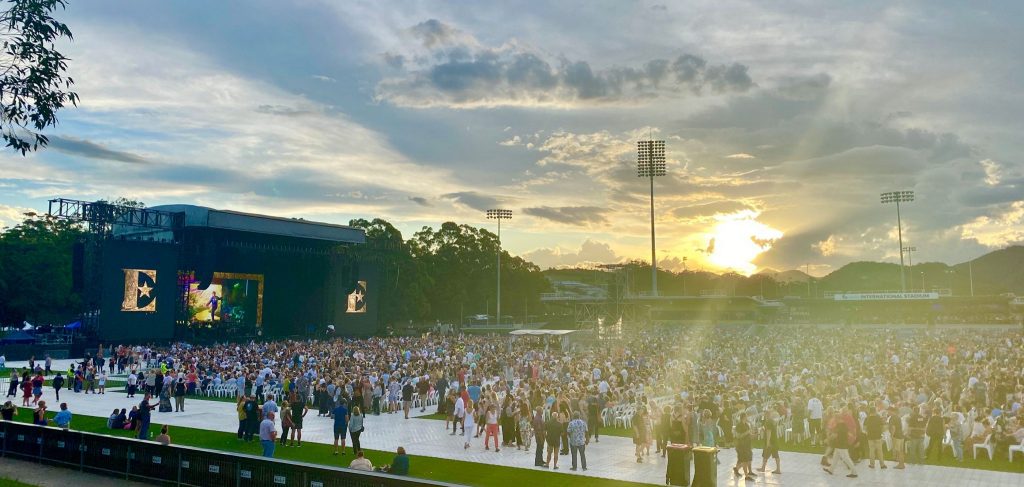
(424, 467)
(1000, 464)
(6, 482)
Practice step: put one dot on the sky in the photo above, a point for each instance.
(783, 122)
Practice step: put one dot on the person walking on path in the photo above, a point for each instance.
(578, 440)
(57, 383)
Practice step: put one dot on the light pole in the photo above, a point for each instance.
(499, 215)
(684, 275)
(650, 162)
(910, 263)
(899, 197)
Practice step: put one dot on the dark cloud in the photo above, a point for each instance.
(459, 72)
(396, 61)
(433, 33)
(419, 200)
(92, 150)
(571, 215)
(710, 209)
(474, 200)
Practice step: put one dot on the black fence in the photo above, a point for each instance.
(150, 462)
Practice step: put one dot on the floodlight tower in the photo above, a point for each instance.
(499, 215)
(899, 197)
(910, 264)
(650, 162)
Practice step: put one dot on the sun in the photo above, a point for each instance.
(737, 239)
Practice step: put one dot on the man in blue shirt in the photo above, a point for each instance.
(474, 392)
(340, 413)
(63, 418)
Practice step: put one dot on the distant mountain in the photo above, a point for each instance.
(785, 277)
(998, 272)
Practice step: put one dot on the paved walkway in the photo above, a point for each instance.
(612, 458)
(47, 476)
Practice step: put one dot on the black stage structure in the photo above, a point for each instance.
(188, 272)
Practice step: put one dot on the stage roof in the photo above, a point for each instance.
(200, 216)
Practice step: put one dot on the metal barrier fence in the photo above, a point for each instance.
(175, 465)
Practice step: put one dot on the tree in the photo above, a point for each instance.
(32, 72)
(35, 259)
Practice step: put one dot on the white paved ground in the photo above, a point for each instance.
(612, 458)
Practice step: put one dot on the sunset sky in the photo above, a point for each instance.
(782, 123)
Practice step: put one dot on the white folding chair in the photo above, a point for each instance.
(985, 446)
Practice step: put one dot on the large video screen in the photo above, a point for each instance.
(230, 298)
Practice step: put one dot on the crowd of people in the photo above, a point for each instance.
(849, 390)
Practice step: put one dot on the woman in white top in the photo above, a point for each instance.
(470, 427)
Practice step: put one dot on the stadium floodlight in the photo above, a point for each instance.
(650, 162)
(910, 264)
(899, 197)
(499, 214)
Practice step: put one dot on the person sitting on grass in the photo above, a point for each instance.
(163, 439)
(8, 411)
(399, 466)
(361, 462)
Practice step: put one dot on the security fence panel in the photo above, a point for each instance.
(24, 442)
(62, 447)
(105, 454)
(256, 473)
(152, 461)
(200, 468)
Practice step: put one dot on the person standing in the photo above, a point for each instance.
(915, 437)
(340, 413)
(179, 395)
(355, 428)
(57, 383)
(12, 389)
(252, 417)
(133, 383)
(286, 421)
(407, 392)
(815, 411)
(553, 434)
(771, 443)
(459, 416)
(936, 431)
(539, 434)
(578, 440)
(896, 430)
(491, 418)
(299, 411)
(63, 418)
(468, 414)
(240, 407)
(268, 435)
(144, 416)
(873, 429)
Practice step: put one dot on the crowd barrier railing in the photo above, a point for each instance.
(175, 465)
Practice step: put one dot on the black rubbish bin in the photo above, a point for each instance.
(678, 470)
(705, 467)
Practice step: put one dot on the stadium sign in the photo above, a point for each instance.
(885, 296)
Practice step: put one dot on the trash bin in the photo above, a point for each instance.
(705, 467)
(678, 470)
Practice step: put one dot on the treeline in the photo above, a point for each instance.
(35, 271)
(448, 273)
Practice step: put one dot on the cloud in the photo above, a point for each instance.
(419, 200)
(474, 200)
(456, 71)
(993, 173)
(591, 252)
(570, 215)
(1000, 230)
(740, 155)
(12, 215)
(826, 247)
(92, 150)
(286, 111)
(515, 140)
(710, 209)
(325, 79)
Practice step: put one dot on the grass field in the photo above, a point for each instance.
(424, 467)
(6, 482)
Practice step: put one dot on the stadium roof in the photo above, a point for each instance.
(201, 216)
